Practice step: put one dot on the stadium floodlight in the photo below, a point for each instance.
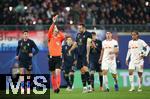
(10, 8)
(34, 22)
(82, 6)
(147, 3)
(71, 22)
(25, 7)
(68, 8)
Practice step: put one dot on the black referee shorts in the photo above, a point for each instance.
(55, 62)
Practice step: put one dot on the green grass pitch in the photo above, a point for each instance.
(77, 94)
(123, 93)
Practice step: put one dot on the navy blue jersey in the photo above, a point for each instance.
(25, 47)
(96, 47)
(81, 40)
(68, 59)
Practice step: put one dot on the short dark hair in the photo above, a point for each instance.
(109, 32)
(135, 32)
(25, 31)
(93, 33)
(81, 24)
(68, 37)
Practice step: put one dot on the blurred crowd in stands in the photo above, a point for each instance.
(89, 12)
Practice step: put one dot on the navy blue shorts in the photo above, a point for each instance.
(25, 63)
(94, 65)
(81, 61)
(68, 67)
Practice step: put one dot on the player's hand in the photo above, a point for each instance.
(69, 52)
(62, 61)
(142, 66)
(93, 45)
(100, 61)
(112, 57)
(111, 53)
(17, 57)
(30, 55)
(75, 62)
(142, 57)
(87, 59)
(127, 63)
(55, 18)
(30, 67)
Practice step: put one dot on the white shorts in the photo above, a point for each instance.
(111, 66)
(138, 66)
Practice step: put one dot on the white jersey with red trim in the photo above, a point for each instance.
(108, 46)
(135, 49)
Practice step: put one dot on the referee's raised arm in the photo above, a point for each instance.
(52, 27)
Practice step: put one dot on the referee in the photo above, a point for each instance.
(55, 38)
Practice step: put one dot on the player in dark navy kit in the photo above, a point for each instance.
(95, 51)
(24, 53)
(83, 40)
(69, 61)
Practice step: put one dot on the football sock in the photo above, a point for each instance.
(105, 80)
(53, 81)
(71, 80)
(92, 80)
(83, 80)
(131, 78)
(87, 78)
(101, 80)
(67, 79)
(58, 79)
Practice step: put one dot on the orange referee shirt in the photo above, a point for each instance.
(55, 42)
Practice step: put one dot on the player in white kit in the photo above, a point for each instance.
(108, 56)
(137, 50)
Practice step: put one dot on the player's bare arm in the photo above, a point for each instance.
(73, 47)
(116, 50)
(89, 43)
(53, 26)
(128, 56)
(147, 50)
(101, 56)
